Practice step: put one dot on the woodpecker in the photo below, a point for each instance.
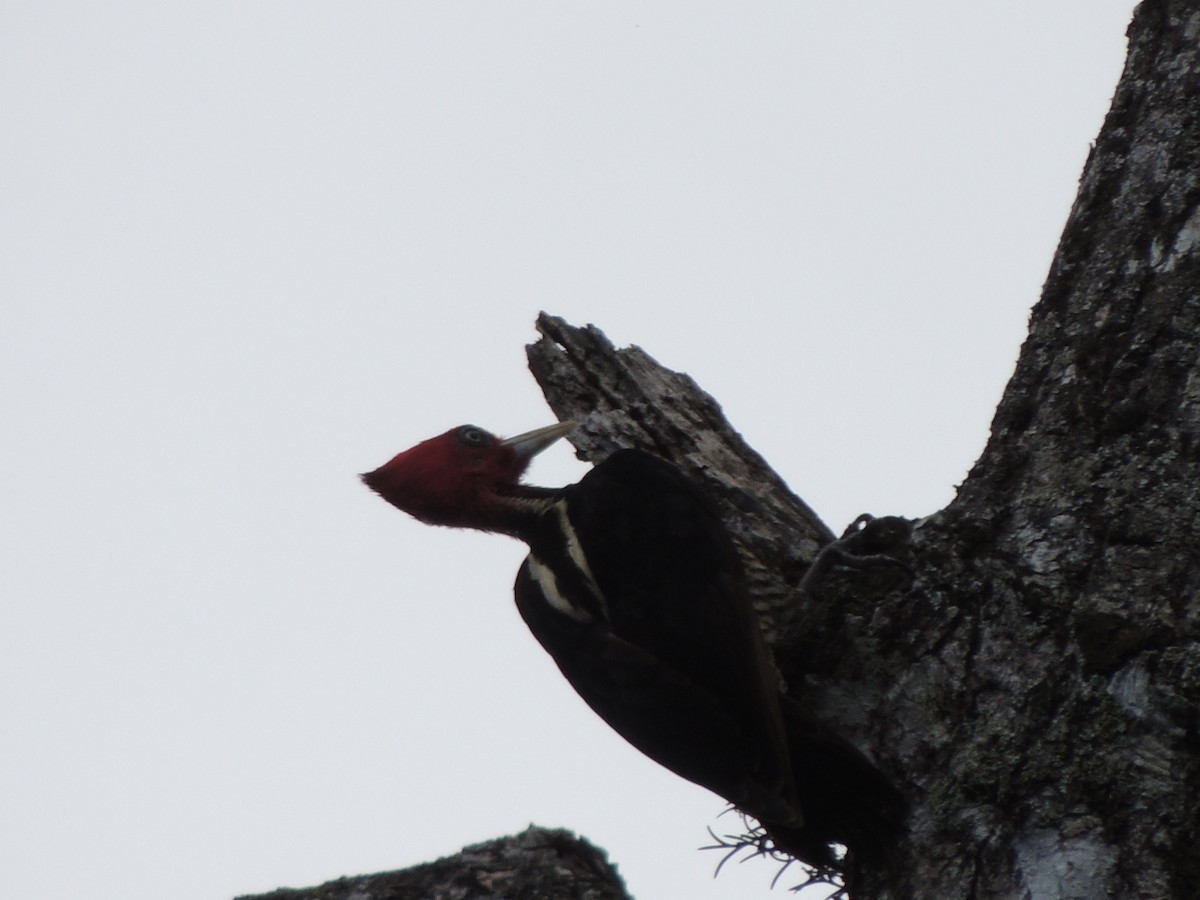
(634, 587)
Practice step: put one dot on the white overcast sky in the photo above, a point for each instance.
(251, 249)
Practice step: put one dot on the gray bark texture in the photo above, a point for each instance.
(537, 864)
(1034, 688)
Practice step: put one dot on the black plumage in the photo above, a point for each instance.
(668, 653)
(634, 587)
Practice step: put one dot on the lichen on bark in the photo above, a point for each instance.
(1035, 689)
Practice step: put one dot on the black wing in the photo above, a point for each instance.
(673, 660)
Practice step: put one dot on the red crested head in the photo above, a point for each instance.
(466, 478)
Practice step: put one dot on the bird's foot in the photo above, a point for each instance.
(867, 543)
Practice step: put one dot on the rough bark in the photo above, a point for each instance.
(1036, 689)
(537, 864)
(624, 398)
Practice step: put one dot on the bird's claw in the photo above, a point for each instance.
(867, 543)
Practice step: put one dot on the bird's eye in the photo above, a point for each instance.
(475, 437)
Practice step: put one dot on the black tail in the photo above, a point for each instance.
(844, 798)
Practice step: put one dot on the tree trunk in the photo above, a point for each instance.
(1036, 689)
